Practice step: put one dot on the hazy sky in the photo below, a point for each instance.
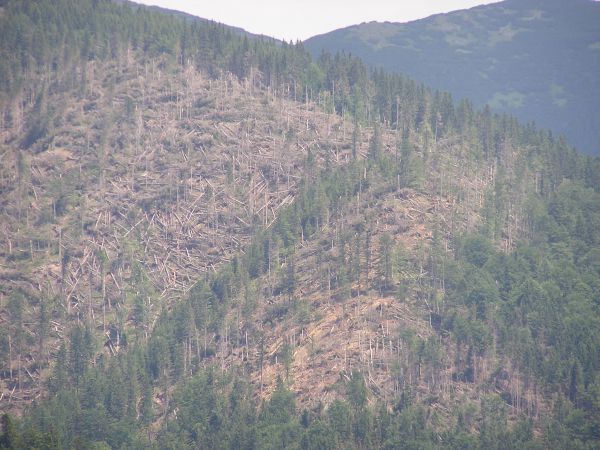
(301, 19)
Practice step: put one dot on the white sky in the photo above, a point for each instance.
(301, 19)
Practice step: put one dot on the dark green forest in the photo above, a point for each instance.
(535, 59)
(536, 302)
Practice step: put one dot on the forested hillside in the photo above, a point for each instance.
(534, 59)
(211, 240)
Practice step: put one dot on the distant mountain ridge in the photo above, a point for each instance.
(537, 60)
(189, 17)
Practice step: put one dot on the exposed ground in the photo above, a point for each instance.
(149, 179)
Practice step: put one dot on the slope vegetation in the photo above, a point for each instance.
(211, 241)
(533, 59)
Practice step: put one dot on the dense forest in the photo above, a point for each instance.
(333, 201)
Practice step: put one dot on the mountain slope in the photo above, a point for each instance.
(147, 184)
(202, 247)
(535, 59)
